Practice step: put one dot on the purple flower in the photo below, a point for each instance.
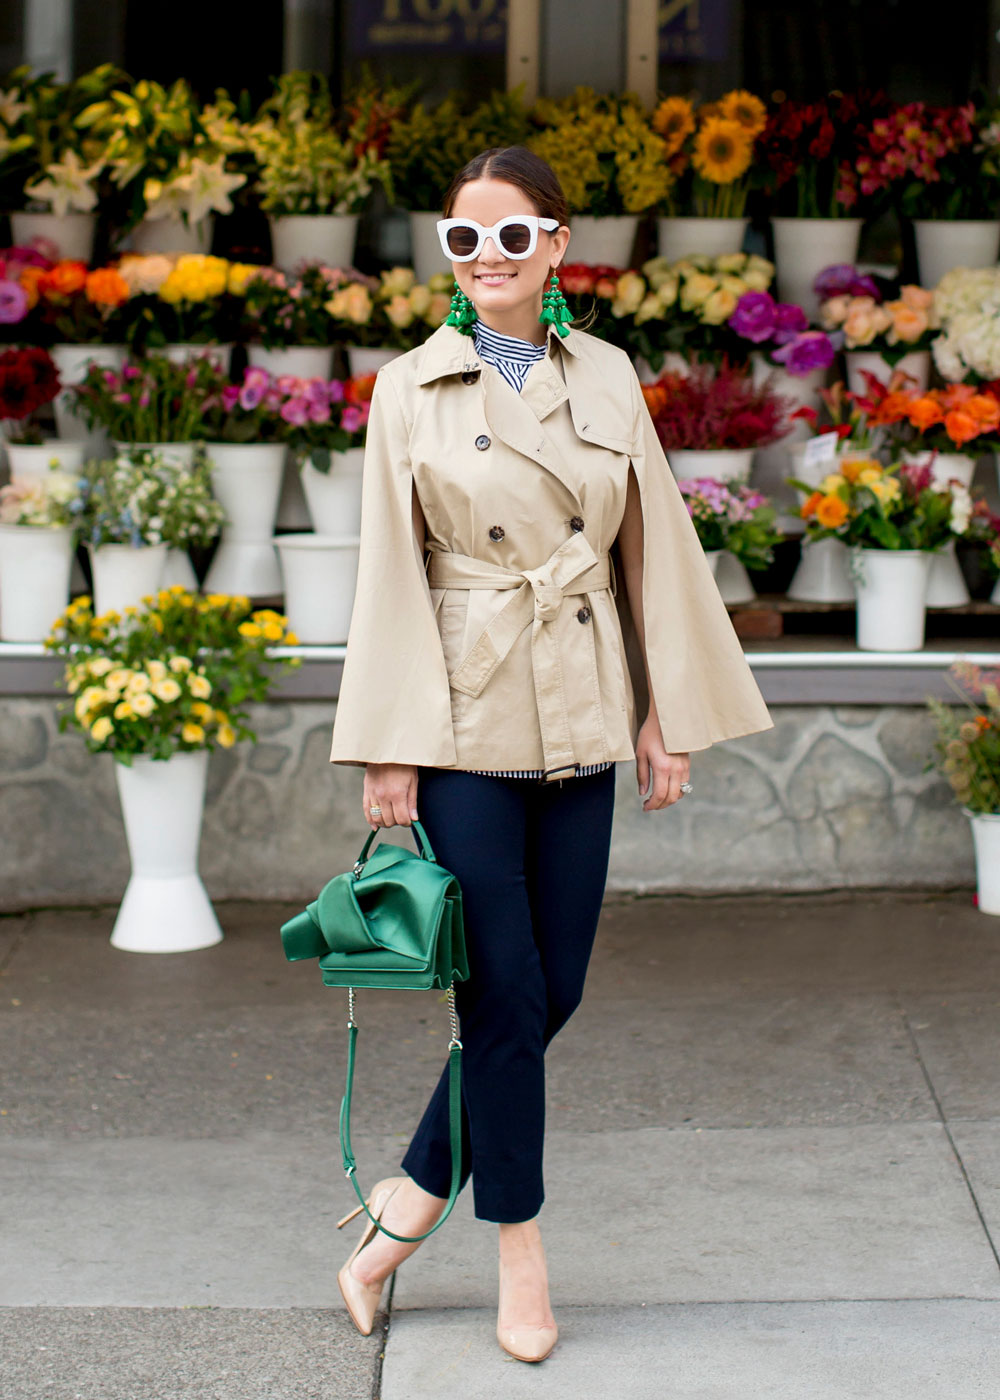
(319, 412)
(809, 351)
(131, 372)
(754, 317)
(13, 303)
(335, 389)
(789, 317)
(844, 280)
(230, 397)
(352, 419)
(296, 412)
(256, 383)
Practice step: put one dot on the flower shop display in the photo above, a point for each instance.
(28, 382)
(158, 687)
(289, 319)
(181, 303)
(880, 333)
(426, 146)
(37, 537)
(320, 575)
(729, 516)
(169, 162)
(130, 509)
(610, 164)
(893, 519)
(935, 428)
(50, 175)
(148, 402)
(243, 431)
(313, 179)
(968, 307)
(379, 318)
(325, 426)
(967, 754)
(709, 150)
(943, 165)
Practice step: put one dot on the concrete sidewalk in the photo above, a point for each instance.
(772, 1165)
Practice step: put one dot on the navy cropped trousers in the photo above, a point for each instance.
(532, 862)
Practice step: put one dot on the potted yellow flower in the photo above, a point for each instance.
(709, 150)
(397, 314)
(158, 687)
(610, 164)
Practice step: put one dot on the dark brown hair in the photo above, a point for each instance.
(517, 165)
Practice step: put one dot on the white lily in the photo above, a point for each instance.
(11, 110)
(67, 185)
(207, 187)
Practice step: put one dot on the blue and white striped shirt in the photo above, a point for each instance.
(514, 358)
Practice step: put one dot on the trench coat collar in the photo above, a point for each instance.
(447, 351)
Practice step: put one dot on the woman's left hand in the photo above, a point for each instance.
(666, 770)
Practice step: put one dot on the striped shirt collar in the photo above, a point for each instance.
(491, 344)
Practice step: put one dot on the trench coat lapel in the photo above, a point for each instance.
(515, 419)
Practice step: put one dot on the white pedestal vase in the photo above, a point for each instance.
(823, 574)
(607, 241)
(726, 464)
(334, 497)
(945, 466)
(123, 575)
(946, 243)
(803, 248)
(368, 359)
(172, 236)
(166, 908)
(246, 480)
(179, 352)
(178, 567)
(72, 362)
(324, 238)
(35, 564)
(32, 460)
(986, 840)
(321, 576)
(917, 364)
(303, 361)
(891, 590)
(946, 586)
(73, 234)
(425, 245)
(679, 238)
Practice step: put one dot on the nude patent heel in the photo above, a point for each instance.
(525, 1343)
(362, 1299)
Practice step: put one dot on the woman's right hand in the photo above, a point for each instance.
(393, 788)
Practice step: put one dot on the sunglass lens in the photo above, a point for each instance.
(516, 238)
(462, 240)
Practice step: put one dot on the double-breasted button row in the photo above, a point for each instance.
(496, 532)
(482, 442)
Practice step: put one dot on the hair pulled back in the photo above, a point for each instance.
(517, 166)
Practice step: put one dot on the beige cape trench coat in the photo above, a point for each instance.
(510, 643)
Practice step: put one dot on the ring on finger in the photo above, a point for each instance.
(375, 811)
(686, 788)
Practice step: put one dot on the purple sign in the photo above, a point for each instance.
(467, 26)
(694, 30)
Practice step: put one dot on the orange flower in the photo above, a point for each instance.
(954, 394)
(655, 396)
(893, 408)
(359, 389)
(106, 287)
(985, 410)
(809, 506)
(29, 278)
(64, 279)
(961, 426)
(831, 511)
(925, 412)
(674, 121)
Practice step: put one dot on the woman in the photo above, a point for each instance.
(497, 668)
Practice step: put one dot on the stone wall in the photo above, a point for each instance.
(831, 797)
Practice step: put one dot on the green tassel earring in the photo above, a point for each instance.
(462, 314)
(554, 311)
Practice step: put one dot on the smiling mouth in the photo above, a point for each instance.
(495, 276)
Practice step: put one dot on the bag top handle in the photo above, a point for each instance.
(420, 840)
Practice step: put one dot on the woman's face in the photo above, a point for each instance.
(492, 280)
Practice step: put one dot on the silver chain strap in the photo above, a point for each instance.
(453, 1018)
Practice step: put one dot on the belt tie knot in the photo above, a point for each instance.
(548, 599)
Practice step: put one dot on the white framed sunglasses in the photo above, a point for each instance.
(516, 236)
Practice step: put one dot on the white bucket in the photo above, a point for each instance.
(321, 577)
(891, 590)
(35, 564)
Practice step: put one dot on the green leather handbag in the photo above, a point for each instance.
(393, 920)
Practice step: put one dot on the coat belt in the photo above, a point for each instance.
(538, 594)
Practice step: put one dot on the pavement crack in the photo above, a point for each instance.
(944, 1124)
(376, 1393)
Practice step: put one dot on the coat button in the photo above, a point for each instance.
(482, 442)
(584, 614)
(576, 523)
(496, 532)
(470, 376)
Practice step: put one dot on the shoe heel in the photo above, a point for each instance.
(350, 1216)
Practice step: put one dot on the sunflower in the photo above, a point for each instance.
(673, 120)
(722, 151)
(743, 107)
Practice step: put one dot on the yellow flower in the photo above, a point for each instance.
(226, 736)
(143, 704)
(722, 151)
(743, 107)
(273, 631)
(157, 622)
(291, 639)
(138, 681)
(100, 666)
(674, 121)
(89, 700)
(123, 710)
(398, 281)
(156, 670)
(719, 307)
(629, 292)
(192, 733)
(420, 300)
(249, 629)
(868, 475)
(195, 277)
(179, 664)
(117, 679)
(203, 711)
(199, 686)
(101, 728)
(649, 310)
(833, 482)
(696, 290)
(239, 276)
(166, 691)
(400, 312)
(886, 490)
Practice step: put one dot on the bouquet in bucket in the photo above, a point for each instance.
(142, 498)
(78, 305)
(172, 676)
(190, 298)
(148, 400)
(967, 751)
(811, 150)
(845, 421)
(709, 150)
(394, 310)
(282, 309)
(956, 418)
(855, 305)
(867, 504)
(47, 501)
(780, 333)
(712, 409)
(28, 381)
(732, 516)
(324, 416)
(968, 307)
(936, 162)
